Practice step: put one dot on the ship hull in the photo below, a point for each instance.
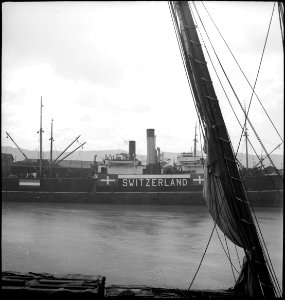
(182, 189)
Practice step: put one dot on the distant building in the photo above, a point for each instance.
(64, 169)
(6, 162)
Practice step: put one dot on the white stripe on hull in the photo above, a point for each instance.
(163, 176)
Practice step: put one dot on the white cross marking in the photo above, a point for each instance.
(200, 179)
(108, 180)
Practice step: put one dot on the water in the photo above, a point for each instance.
(150, 245)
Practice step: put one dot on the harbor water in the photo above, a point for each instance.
(141, 244)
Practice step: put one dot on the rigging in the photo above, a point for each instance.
(236, 96)
(259, 67)
(241, 68)
(224, 192)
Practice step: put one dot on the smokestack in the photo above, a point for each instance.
(151, 152)
(132, 150)
(158, 154)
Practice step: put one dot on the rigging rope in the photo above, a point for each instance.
(233, 266)
(236, 117)
(256, 78)
(236, 96)
(237, 255)
(202, 257)
(281, 20)
(215, 193)
(215, 223)
(265, 252)
(201, 144)
(230, 257)
(271, 273)
(242, 72)
(260, 160)
(184, 62)
(270, 266)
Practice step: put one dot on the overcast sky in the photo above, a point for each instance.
(109, 70)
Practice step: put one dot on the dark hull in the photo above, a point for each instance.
(153, 189)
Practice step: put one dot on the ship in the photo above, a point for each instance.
(123, 179)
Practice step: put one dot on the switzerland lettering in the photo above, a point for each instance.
(153, 182)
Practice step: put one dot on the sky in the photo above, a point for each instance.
(110, 70)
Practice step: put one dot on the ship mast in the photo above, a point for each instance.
(195, 141)
(224, 193)
(246, 140)
(52, 164)
(41, 141)
(51, 140)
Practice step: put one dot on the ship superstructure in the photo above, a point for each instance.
(121, 163)
(188, 163)
(128, 164)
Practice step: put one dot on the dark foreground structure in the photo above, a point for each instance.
(15, 284)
